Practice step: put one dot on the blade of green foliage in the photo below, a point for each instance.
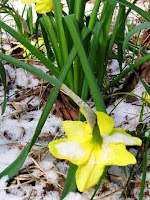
(144, 168)
(48, 46)
(70, 184)
(94, 14)
(52, 36)
(121, 34)
(115, 32)
(60, 30)
(143, 13)
(37, 72)
(131, 33)
(79, 7)
(96, 94)
(30, 20)
(91, 58)
(126, 71)
(13, 169)
(3, 3)
(3, 78)
(146, 86)
(106, 19)
(30, 47)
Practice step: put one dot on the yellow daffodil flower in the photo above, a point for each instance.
(42, 6)
(92, 152)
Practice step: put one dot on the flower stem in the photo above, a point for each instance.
(89, 113)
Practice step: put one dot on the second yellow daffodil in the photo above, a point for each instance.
(42, 6)
(92, 152)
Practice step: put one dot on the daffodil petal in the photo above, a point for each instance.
(116, 154)
(119, 136)
(73, 151)
(29, 1)
(77, 129)
(44, 6)
(105, 123)
(88, 174)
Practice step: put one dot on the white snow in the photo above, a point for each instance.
(119, 138)
(75, 196)
(71, 149)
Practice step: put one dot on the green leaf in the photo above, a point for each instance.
(70, 184)
(52, 36)
(144, 168)
(146, 86)
(144, 14)
(37, 72)
(31, 48)
(60, 30)
(135, 30)
(13, 169)
(126, 71)
(95, 91)
(3, 77)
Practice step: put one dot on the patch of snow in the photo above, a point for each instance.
(119, 138)
(75, 196)
(25, 79)
(46, 165)
(7, 155)
(62, 167)
(126, 115)
(114, 67)
(71, 149)
(3, 182)
(52, 176)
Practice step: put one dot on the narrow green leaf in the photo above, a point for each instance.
(143, 13)
(146, 86)
(3, 78)
(13, 169)
(30, 20)
(94, 14)
(31, 48)
(135, 30)
(60, 29)
(144, 168)
(95, 91)
(106, 19)
(37, 72)
(52, 36)
(126, 71)
(70, 184)
(91, 58)
(79, 7)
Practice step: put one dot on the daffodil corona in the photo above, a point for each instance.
(92, 152)
(42, 6)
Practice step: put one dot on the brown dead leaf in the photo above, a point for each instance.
(64, 109)
(17, 107)
(72, 111)
(132, 80)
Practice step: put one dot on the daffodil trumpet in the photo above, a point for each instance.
(93, 149)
